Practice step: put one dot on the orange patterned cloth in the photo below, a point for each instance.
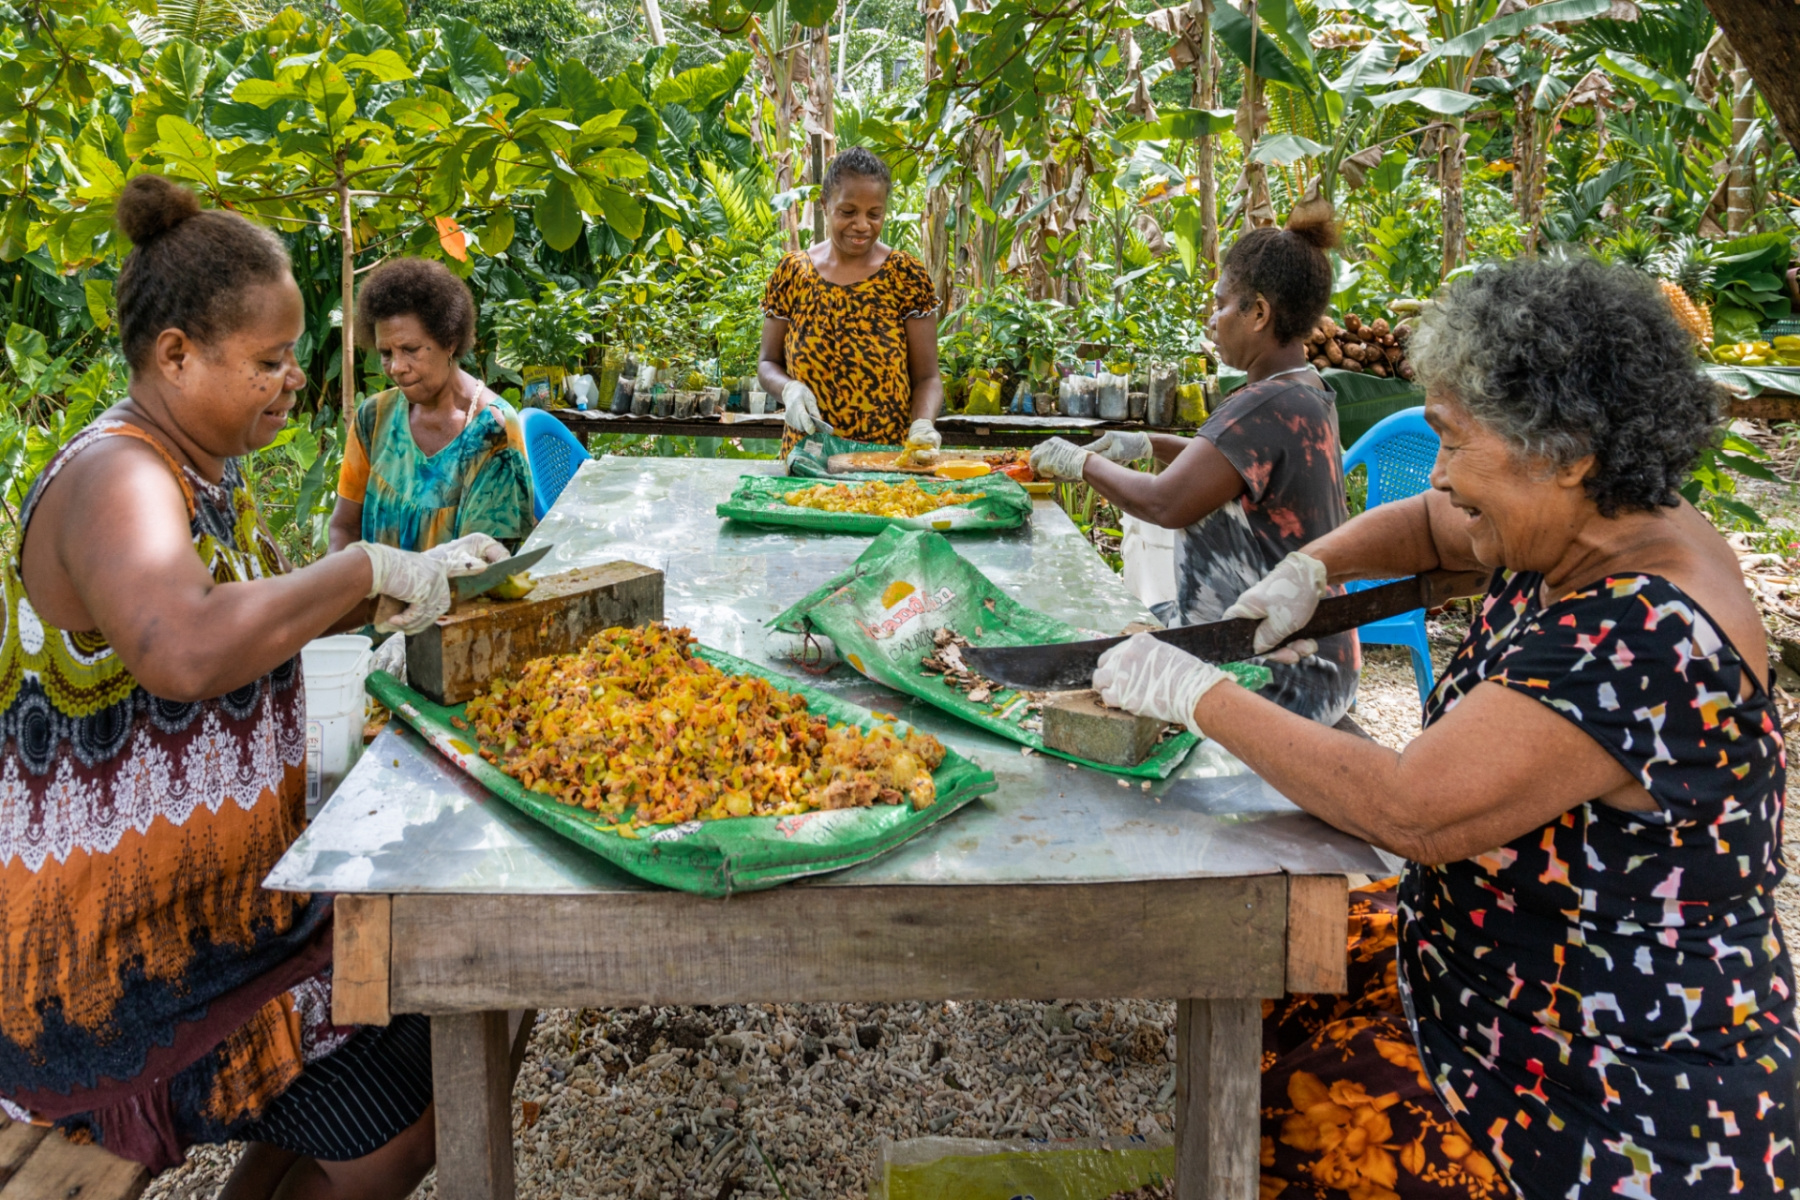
(154, 990)
(1347, 1108)
(847, 342)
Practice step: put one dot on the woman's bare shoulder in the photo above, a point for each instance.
(1693, 556)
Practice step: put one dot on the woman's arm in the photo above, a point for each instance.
(346, 524)
(118, 534)
(1497, 766)
(922, 366)
(772, 371)
(1199, 480)
(1403, 537)
(1167, 447)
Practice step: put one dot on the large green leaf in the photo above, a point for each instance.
(1284, 18)
(1284, 149)
(1188, 123)
(578, 91)
(27, 351)
(499, 232)
(477, 66)
(388, 14)
(557, 216)
(1656, 85)
(384, 65)
(1393, 14)
(1443, 101)
(1271, 64)
(1467, 45)
(418, 113)
(622, 211)
(99, 296)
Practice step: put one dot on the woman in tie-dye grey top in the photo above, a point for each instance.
(1265, 476)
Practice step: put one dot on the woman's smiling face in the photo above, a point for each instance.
(855, 214)
(1522, 513)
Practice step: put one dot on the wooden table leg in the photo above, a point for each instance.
(471, 1081)
(1218, 1094)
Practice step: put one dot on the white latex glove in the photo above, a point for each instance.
(1284, 600)
(422, 583)
(924, 434)
(390, 656)
(802, 408)
(477, 548)
(1058, 459)
(1120, 446)
(1154, 679)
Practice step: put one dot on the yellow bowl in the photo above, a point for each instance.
(963, 470)
(1040, 488)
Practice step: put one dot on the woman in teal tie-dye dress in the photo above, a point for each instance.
(439, 456)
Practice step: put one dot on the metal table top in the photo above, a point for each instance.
(405, 820)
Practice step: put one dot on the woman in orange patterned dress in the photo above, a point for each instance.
(849, 329)
(152, 766)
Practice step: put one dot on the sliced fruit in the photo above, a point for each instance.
(962, 470)
(513, 587)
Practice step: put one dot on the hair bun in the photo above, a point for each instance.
(151, 205)
(1316, 222)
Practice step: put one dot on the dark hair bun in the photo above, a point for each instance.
(151, 205)
(1315, 222)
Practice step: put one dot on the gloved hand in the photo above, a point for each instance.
(1154, 679)
(469, 554)
(1120, 446)
(802, 408)
(1058, 459)
(390, 656)
(1284, 599)
(924, 435)
(422, 583)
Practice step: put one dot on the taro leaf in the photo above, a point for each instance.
(557, 216)
(99, 296)
(621, 211)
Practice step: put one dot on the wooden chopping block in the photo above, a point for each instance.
(481, 638)
(1078, 723)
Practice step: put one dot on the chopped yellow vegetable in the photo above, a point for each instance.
(877, 499)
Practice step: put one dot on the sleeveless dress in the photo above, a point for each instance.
(411, 500)
(156, 995)
(1606, 1003)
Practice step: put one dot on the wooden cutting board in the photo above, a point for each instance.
(484, 638)
(888, 460)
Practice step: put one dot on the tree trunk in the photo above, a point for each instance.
(934, 238)
(653, 15)
(1766, 33)
(1525, 172)
(1259, 211)
(347, 296)
(1450, 172)
(1740, 200)
(819, 118)
(1205, 95)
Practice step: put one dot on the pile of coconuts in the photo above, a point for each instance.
(1358, 345)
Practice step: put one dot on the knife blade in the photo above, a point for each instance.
(1069, 666)
(468, 586)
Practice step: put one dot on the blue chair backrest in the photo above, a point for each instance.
(552, 454)
(1398, 451)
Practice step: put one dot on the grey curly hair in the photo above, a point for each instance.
(1568, 358)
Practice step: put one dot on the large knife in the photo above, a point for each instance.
(1069, 666)
(467, 587)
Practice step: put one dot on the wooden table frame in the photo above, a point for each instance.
(1220, 945)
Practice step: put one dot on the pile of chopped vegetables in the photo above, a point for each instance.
(636, 729)
(878, 499)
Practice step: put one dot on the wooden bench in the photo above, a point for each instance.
(40, 1164)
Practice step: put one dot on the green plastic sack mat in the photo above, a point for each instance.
(709, 858)
(762, 499)
(883, 613)
(934, 1168)
(810, 457)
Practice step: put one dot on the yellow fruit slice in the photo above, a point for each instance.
(896, 592)
(963, 470)
(513, 587)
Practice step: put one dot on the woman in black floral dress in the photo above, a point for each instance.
(1591, 995)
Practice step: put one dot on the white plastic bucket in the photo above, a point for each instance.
(335, 668)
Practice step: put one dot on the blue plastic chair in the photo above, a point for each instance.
(552, 454)
(1398, 451)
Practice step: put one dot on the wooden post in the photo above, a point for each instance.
(1317, 921)
(1218, 1093)
(359, 960)
(471, 1069)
